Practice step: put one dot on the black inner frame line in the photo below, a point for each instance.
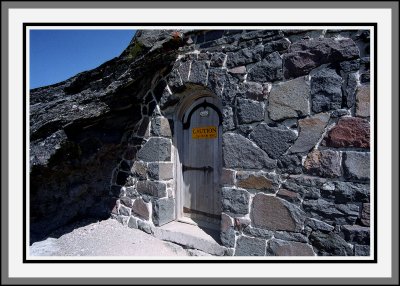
(25, 28)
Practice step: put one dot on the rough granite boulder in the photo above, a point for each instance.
(240, 152)
(307, 54)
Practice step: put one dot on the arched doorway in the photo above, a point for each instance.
(198, 132)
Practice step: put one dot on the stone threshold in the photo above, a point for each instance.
(191, 236)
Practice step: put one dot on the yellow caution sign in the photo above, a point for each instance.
(207, 132)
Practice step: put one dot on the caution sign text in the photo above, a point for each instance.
(207, 132)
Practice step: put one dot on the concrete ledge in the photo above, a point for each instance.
(190, 236)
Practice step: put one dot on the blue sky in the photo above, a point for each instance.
(56, 55)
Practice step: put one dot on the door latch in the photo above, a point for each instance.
(190, 168)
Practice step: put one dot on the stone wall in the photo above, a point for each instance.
(296, 140)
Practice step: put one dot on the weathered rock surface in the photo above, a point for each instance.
(257, 182)
(163, 211)
(267, 70)
(349, 132)
(356, 165)
(249, 111)
(311, 130)
(278, 247)
(307, 54)
(363, 101)
(327, 244)
(356, 234)
(275, 214)
(289, 99)
(274, 141)
(227, 231)
(235, 201)
(156, 149)
(325, 163)
(240, 152)
(248, 246)
(326, 90)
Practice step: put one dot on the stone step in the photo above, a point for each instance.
(191, 236)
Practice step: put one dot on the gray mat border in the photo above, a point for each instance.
(393, 5)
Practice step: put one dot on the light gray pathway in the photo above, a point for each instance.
(106, 238)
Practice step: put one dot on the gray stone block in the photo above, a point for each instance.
(257, 181)
(156, 149)
(249, 111)
(361, 250)
(240, 152)
(160, 127)
(311, 130)
(160, 170)
(307, 54)
(163, 211)
(227, 122)
(274, 141)
(251, 90)
(325, 163)
(346, 192)
(139, 169)
(289, 99)
(132, 222)
(278, 247)
(227, 232)
(318, 225)
(245, 56)
(258, 232)
(365, 214)
(141, 209)
(356, 234)
(326, 90)
(123, 210)
(363, 101)
(329, 244)
(272, 213)
(267, 70)
(249, 246)
(155, 189)
(235, 201)
(356, 165)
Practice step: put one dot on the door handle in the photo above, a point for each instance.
(190, 168)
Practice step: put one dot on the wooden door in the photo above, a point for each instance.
(201, 164)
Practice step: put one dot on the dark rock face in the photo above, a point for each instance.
(235, 201)
(349, 132)
(278, 247)
(289, 99)
(227, 231)
(356, 234)
(306, 55)
(273, 141)
(249, 111)
(163, 211)
(311, 130)
(326, 90)
(330, 244)
(248, 246)
(239, 152)
(156, 149)
(356, 165)
(268, 70)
